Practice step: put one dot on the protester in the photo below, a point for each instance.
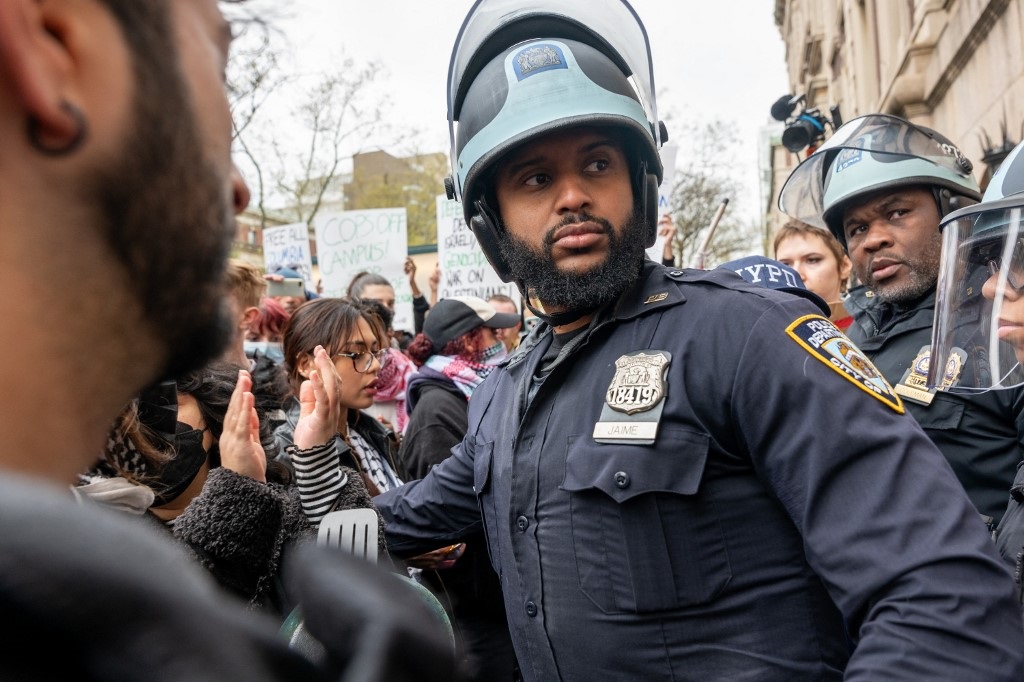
(456, 351)
(343, 442)
(680, 474)
(509, 336)
(333, 352)
(980, 317)
(118, 187)
(267, 330)
(821, 262)
(389, 398)
(881, 185)
(246, 287)
(203, 462)
(370, 285)
(115, 223)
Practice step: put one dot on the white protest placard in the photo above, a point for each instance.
(668, 160)
(373, 240)
(287, 246)
(464, 268)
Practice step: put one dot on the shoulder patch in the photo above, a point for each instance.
(823, 340)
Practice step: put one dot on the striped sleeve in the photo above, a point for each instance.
(319, 477)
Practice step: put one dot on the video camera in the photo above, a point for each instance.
(805, 129)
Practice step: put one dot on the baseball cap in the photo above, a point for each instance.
(771, 274)
(452, 317)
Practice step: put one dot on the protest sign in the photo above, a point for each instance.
(464, 268)
(287, 246)
(371, 240)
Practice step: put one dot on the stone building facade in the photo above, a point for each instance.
(953, 65)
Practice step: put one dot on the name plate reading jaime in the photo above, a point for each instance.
(626, 430)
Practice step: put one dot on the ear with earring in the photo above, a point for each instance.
(48, 144)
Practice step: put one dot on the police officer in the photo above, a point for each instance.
(660, 494)
(979, 322)
(881, 184)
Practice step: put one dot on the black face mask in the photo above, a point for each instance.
(179, 472)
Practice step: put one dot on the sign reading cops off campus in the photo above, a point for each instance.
(287, 246)
(373, 240)
(464, 268)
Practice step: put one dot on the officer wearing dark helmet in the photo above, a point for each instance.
(979, 320)
(881, 184)
(658, 497)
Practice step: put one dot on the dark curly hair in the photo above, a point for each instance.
(212, 386)
(421, 347)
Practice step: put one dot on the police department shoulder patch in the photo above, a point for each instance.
(823, 340)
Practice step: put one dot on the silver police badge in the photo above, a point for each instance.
(638, 384)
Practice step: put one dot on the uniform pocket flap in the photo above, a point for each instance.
(675, 464)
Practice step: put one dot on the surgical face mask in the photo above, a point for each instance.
(270, 349)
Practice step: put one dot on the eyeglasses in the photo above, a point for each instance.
(363, 361)
(1014, 276)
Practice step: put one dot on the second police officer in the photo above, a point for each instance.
(881, 184)
(979, 321)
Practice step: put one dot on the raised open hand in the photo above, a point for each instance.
(319, 406)
(240, 447)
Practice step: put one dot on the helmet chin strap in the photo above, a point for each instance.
(553, 319)
(486, 225)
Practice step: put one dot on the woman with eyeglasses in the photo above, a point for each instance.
(333, 349)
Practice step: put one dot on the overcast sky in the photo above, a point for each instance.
(712, 60)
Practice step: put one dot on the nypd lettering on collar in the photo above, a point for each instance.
(823, 340)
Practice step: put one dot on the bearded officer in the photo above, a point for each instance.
(661, 496)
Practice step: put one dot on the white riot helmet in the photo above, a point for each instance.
(521, 69)
(978, 330)
(871, 154)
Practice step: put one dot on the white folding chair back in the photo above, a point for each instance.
(352, 530)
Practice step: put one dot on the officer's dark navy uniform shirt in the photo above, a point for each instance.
(780, 500)
(981, 435)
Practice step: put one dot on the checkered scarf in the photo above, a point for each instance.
(467, 374)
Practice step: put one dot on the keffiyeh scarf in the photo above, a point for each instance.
(467, 374)
(392, 382)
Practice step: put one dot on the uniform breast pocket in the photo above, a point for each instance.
(944, 414)
(483, 461)
(646, 534)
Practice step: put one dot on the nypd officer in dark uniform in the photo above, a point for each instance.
(979, 322)
(680, 475)
(881, 184)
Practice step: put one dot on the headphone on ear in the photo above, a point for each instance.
(647, 186)
(484, 225)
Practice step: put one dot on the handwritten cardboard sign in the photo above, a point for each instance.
(287, 246)
(464, 268)
(372, 240)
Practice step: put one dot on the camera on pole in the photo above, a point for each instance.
(806, 128)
